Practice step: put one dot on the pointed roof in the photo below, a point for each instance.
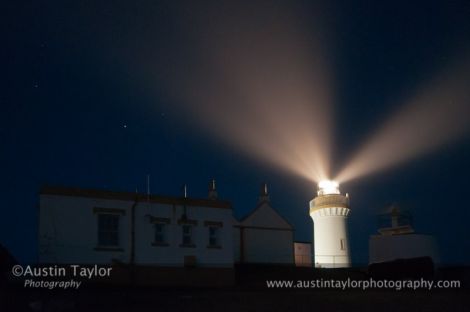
(265, 216)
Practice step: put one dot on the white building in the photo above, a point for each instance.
(264, 236)
(329, 211)
(398, 240)
(151, 232)
(93, 226)
(104, 227)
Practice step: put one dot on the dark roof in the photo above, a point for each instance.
(130, 196)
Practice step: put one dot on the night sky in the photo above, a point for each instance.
(77, 112)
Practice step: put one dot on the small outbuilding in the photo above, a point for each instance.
(303, 254)
(264, 236)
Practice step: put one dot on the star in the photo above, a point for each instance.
(124, 126)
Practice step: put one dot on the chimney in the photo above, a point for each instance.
(263, 196)
(212, 190)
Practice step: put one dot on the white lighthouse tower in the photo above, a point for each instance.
(329, 211)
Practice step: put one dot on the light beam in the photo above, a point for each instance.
(437, 115)
(257, 80)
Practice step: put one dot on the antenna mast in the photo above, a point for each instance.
(148, 187)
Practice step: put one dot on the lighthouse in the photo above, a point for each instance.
(329, 211)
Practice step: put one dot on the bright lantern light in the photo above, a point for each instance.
(326, 187)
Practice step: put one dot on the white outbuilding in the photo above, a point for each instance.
(397, 240)
(303, 254)
(264, 236)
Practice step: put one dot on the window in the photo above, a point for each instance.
(108, 230)
(160, 233)
(187, 237)
(343, 244)
(213, 236)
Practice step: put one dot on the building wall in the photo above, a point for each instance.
(391, 247)
(264, 237)
(173, 254)
(68, 230)
(68, 233)
(268, 246)
(303, 254)
(331, 237)
(236, 241)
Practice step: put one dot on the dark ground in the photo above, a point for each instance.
(249, 294)
(255, 300)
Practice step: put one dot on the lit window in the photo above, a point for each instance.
(187, 237)
(160, 233)
(108, 230)
(213, 236)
